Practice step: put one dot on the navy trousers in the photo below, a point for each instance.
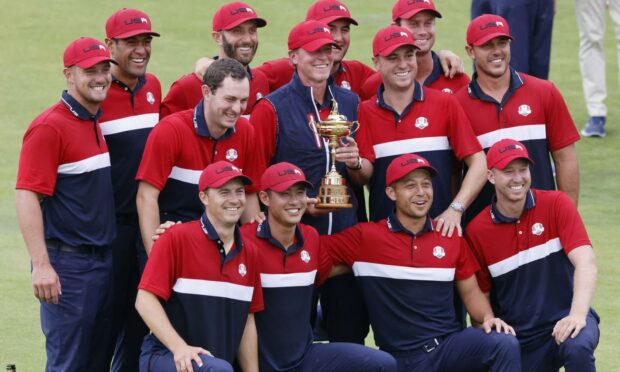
(531, 23)
(346, 357)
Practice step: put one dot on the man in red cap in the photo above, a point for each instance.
(235, 30)
(65, 209)
(130, 111)
(408, 273)
(537, 263)
(504, 103)
(184, 143)
(435, 71)
(201, 285)
(291, 264)
(407, 117)
(285, 123)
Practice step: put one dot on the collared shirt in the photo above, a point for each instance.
(207, 293)
(65, 157)
(433, 126)
(524, 262)
(533, 112)
(180, 147)
(127, 120)
(407, 279)
(288, 275)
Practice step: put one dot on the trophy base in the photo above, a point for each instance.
(333, 192)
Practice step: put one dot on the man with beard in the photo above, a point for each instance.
(130, 111)
(235, 32)
(419, 18)
(504, 103)
(408, 274)
(538, 265)
(65, 209)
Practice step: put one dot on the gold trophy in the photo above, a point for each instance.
(333, 191)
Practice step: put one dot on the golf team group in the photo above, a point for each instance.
(199, 231)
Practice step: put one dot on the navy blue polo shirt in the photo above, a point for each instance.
(65, 157)
(406, 279)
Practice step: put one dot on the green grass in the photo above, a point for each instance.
(34, 33)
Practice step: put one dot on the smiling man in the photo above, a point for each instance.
(130, 112)
(504, 103)
(235, 31)
(537, 265)
(183, 144)
(65, 209)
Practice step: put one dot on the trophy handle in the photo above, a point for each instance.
(355, 124)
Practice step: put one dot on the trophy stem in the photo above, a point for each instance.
(332, 145)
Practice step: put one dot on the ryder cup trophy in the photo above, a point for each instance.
(333, 191)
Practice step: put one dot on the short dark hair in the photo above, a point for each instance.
(222, 68)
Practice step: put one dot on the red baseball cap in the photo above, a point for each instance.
(233, 14)
(128, 22)
(389, 39)
(279, 177)
(486, 27)
(219, 173)
(405, 9)
(328, 11)
(86, 52)
(405, 164)
(310, 35)
(505, 151)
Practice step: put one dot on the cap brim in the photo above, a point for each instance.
(503, 163)
(486, 38)
(90, 62)
(259, 23)
(133, 33)
(431, 170)
(283, 186)
(413, 12)
(387, 51)
(317, 44)
(221, 182)
(329, 20)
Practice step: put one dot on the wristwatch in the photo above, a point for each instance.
(457, 206)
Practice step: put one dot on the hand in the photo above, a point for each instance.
(260, 217)
(570, 325)
(451, 64)
(312, 210)
(46, 284)
(184, 355)
(348, 153)
(162, 229)
(201, 66)
(448, 221)
(499, 326)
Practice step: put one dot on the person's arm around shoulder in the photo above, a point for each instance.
(567, 171)
(451, 64)
(154, 315)
(584, 284)
(248, 348)
(148, 213)
(45, 280)
(479, 308)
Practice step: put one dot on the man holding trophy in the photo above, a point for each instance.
(287, 122)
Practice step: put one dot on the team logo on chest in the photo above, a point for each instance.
(447, 90)
(305, 256)
(242, 270)
(538, 229)
(421, 122)
(439, 252)
(259, 95)
(231, 155)
(345, 84)
(150, 98)
(524, 110)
